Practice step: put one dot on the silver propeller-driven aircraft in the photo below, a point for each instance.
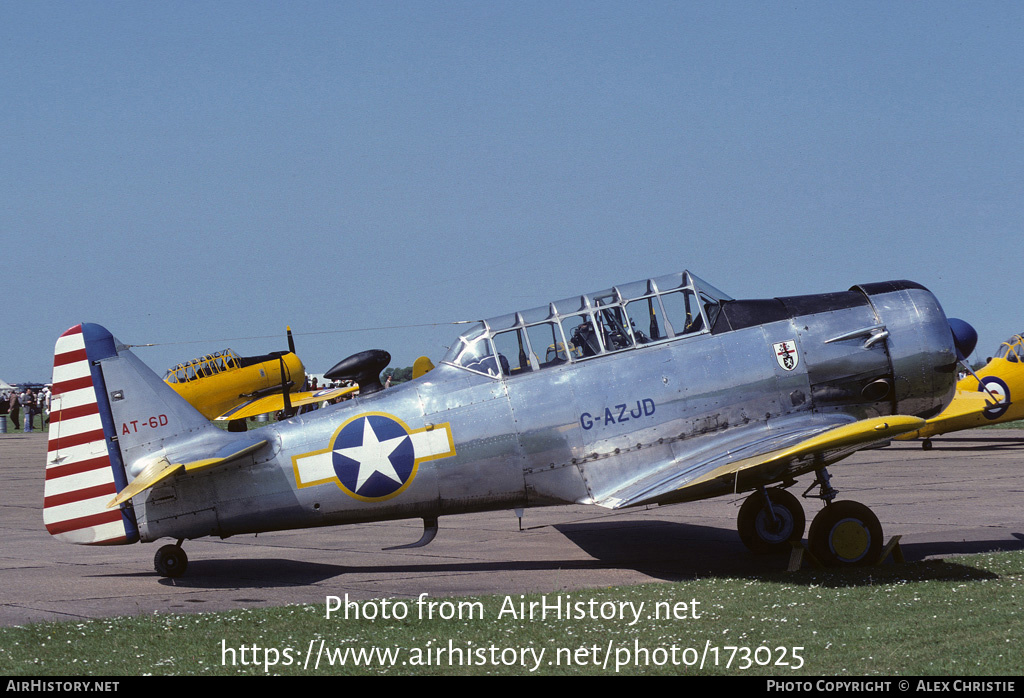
(655, 392)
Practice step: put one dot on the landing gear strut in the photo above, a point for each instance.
(171, 560)
(844, 533)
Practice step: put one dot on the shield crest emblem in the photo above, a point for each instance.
(786, 354)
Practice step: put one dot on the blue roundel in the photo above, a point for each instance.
(373, 456)
(1002, 391)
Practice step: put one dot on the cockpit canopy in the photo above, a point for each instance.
(1012, 349)
(204, 366)
(581, 327)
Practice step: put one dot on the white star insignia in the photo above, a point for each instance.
(373, 456)
(429, 443)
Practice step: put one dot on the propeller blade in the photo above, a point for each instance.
(288, 411)
(291, 349)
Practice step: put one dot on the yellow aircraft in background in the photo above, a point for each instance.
(986, 397)
(225, 387)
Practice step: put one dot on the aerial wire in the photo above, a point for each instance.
(302, 334)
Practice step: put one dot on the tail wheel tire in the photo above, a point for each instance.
(845, 534)
(763, 533)
(170, 561)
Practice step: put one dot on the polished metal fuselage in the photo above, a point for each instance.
(585, 430)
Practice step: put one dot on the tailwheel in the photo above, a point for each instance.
(170, 561)
(845, 533)
(769, 520)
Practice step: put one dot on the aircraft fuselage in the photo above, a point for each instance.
(459, 440)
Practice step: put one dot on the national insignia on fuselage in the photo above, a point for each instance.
(373, 456)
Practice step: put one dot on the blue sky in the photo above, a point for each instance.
(199, 175)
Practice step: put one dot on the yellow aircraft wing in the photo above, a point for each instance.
(964, 412)
(864, 432)
(805, 448)
(964, 403)
(162, 469)
(275, 402)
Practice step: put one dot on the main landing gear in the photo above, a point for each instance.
(171, 560)
(844, 533)
(769, 520)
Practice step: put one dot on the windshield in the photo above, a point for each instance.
(1012, 349)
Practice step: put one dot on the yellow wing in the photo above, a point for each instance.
(760, 460)
(275, 403)
(864, 432)
(964, 412)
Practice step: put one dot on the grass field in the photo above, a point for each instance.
(1019, 424)
(960, 617)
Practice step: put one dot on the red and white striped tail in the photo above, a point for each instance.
(83, 470)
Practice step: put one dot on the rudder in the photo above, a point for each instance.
(83, 462)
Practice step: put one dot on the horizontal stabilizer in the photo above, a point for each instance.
(151, 475)
(162, 469)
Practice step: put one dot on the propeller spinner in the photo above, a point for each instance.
(965, 337)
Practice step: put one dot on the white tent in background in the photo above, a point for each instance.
(4, 385)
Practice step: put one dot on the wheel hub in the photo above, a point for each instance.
(850, 540)
(777, 529)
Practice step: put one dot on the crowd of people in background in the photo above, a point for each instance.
(23, 405)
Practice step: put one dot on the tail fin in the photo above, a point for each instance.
(107, 408)
(83, 464)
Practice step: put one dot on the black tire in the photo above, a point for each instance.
(845, 534)
(170, 561)
(763, 534)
